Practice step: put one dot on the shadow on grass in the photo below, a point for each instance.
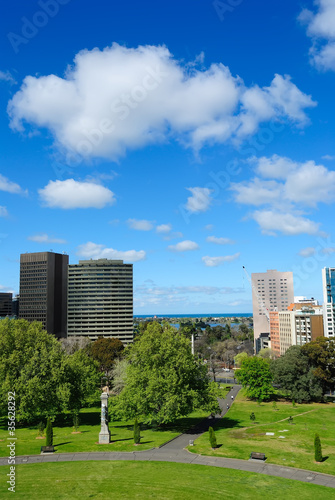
(324, 459)
(228, 423)
(124, 439)
(61, 444)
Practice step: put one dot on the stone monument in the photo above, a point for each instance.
(104, 435)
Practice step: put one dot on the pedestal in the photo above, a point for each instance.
(104, 435)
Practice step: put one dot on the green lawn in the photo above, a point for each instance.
(146, 480)
(121, 435)
(237, 436)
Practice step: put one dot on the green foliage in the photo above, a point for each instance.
(317, 448)
(256, 378)
(105, 351)
(321, 355)
(274, 405)
(118, 375)
(164, 380)
(294, 374)
(41, 428)
(46, 380)
(212, 437)
(76, 422)
(239, 358)
(137, 432)
(252, 417)
(49, 433)
(290, 420)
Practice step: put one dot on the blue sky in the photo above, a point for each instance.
(190, 138)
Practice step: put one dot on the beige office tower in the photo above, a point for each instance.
(100, 299)
(271, 291)
(43, 290)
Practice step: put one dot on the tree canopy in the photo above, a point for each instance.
(321, 355)
(164, 380)
(105, 351)
(294, 373)
(45, 379)
(256, 378)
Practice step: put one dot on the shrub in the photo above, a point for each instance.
(290, 420)
(49, 433)
(40, 429)
(317, 448)
(252, 417)
(212, 438)
(76, 422)
(137, 431)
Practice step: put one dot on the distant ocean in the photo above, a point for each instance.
(217, 315)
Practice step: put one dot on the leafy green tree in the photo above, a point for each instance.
(118, 375)
(295, 376)
(321, 355)
(239, 358)
(317, 448)
(45, 380)
(164, 380)
(212, 438)
(256, 377)
(32, 366)
(137, 432)
(49, 433)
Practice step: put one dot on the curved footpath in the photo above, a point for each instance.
(174, 451)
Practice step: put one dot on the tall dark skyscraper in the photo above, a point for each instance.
(43, 290)
(100, 300)
(6, 304)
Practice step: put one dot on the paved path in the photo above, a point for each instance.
(174, 451)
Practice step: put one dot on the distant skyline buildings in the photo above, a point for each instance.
(328, 285)
(43, 290)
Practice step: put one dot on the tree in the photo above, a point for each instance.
(256, 377)
(321, 355)
(118, 375)
(49, 433)
(266, 353)
(164, 380)
(31, 365)
(317, 448)
(45, 379)
(105, 351)
(73, 344)
(294, 374)
(239, 358)
(212, 438)
(252, 417)
(137, 432)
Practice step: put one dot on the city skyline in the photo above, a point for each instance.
(188, 140)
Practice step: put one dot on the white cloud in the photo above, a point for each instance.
(217, 261)
(293, 187)
(71, 194)
(92, 250)
(45, 238)
(209, 227)
(6, 76)
(3, 212)
(321, 29)
(9, 186)
(307, 252)
(200, 200)
(328, 157)
(219, 241)
(140, 225)
(184, 246)
(272, 222)
(119, 98)
(328, 251)
(164, 228)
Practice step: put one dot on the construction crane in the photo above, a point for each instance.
(259, 298)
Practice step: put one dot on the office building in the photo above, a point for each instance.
(43, 290)
(299, 327)
(271, 291)
(328, 286)
(6, 304)
(100, 299)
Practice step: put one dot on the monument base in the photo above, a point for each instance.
(104, 438)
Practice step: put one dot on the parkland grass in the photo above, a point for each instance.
(291, 445)
(145, 480)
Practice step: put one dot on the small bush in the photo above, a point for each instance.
(252, 417)
(137, 431)
(40, 429)
(274, 405)
(290, 420)
(49, 433)
(317, 448)
(212, 437)
(76, 422)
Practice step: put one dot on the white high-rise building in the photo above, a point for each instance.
(271, 291)
(328, 286)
